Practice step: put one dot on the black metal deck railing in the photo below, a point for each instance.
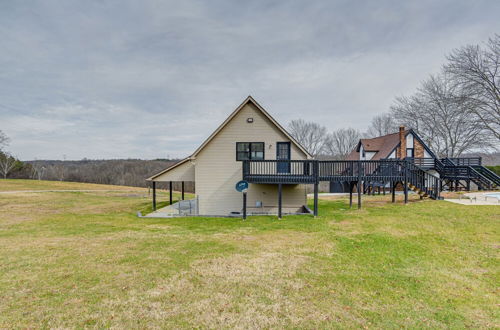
(314, 171)
(465, 161)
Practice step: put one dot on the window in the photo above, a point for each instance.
(249, 150)
(409, 152)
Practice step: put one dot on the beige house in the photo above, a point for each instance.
(249, 133)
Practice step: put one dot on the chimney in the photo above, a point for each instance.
(402, 141)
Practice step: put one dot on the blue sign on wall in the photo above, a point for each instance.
(242, 186)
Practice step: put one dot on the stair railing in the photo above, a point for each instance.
(422, 180)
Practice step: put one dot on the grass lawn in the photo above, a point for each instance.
(83, 259)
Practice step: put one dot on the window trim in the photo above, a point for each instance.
(250, 151)
(412, 152)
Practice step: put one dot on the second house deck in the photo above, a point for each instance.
(314, 171)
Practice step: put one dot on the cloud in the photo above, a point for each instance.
(117, 79)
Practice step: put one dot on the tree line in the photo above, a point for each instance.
(125, 172)
(455, 111)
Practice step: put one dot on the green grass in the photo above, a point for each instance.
(83, 259)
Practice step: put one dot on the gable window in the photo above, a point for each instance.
(409, 152)
(249, 150)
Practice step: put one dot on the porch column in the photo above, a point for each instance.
(316, 199)
(280, 199)
(182, 189)
(154, 196)
(170, 191)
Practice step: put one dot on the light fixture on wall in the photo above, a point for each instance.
(249, 120)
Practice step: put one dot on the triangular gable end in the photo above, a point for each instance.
(250, 99)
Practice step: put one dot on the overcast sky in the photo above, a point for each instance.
(152, 79)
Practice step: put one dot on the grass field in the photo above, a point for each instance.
(83, 259)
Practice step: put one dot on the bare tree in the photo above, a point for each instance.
(7, 164)
(59, 172)
(309, 134)
(476, 70)
(4, 140)
(443, 116)
(341, 142)
(382, 124)
(37, 170)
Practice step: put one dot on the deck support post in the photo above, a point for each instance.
(351, 186)
(182, 190)
(406, 186)
(244, 205)
(316, 199)
(393, 191)
(359, 184)
(468, 185)
(170, 191)
(154, 196)
(280, 200)
(383, 188)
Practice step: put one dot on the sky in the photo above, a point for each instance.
(152, 79)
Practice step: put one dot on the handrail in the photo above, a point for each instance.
(426, 182)
(466, 161)
(486, 172)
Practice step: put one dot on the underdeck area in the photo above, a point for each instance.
(428, 177)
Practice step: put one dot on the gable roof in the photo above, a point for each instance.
(182, 161)
(384, 145)
(381, 145)
(250, 99)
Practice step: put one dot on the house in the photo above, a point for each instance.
(251, 145)
(249, 133)
(406, 144)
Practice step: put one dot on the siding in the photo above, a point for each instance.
(217, 171)
(183, 172)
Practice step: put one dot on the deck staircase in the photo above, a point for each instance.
(458, 169)
(422, 182)
(488, 174)
(419, 180)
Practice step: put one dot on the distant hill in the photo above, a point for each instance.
(126, 172)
